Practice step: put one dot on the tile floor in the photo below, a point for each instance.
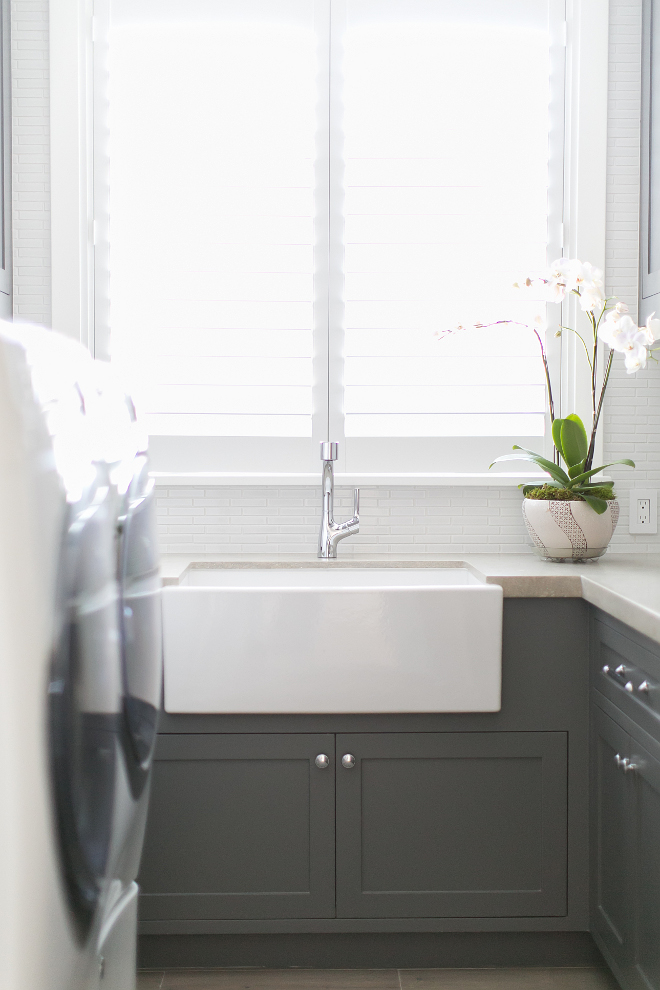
(377, 979)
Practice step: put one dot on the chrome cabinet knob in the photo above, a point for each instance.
(621, 670)
(644, 687)
(628, 766)
(348, 761)
(617, 759)
(322, 761)
(629, 687)
(606, 668)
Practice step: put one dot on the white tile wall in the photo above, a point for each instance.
(421, 520)
(632, 412)
(286, 520)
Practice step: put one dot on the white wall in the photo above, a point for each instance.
(420, 520)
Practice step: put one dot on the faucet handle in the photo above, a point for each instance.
(329, 450)
(356, 503)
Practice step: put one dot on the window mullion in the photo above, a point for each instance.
(321, 225)
(556, 180)
(336, 231)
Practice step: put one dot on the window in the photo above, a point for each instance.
(291, 196)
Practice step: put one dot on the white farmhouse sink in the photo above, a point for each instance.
(332, 639)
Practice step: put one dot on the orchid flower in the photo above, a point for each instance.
(589, 285)
(612, 326)
(621, 334)
(652, 329)
(617, 330)
(562, 279)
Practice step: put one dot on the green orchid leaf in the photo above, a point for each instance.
(599, 505)
(574, 440)
(556, 436)
(553, 469)
(588, 474)
(597, 484)
(575, 469)
(574, 418)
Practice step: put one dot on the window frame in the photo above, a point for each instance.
(6, 265)
(77, 237)
(649, 281)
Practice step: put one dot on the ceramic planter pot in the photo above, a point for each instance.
(569, 530)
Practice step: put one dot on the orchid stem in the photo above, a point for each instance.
(592, 443)
(551, 404)
(584, 343)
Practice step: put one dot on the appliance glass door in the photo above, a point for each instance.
(84, 702)
(141, 624)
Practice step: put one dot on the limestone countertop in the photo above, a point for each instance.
(626, 586)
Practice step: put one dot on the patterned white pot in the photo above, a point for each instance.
(569, 530)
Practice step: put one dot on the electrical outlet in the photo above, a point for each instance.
(643, 511)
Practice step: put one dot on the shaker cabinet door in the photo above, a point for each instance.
(612, 848)
(469, 824)
(240, 826)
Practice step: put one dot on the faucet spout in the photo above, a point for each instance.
(332, 532)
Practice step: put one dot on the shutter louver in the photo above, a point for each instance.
(446, 147)
(212, 147)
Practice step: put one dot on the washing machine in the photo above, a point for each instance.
(124, 453)
(80, 666)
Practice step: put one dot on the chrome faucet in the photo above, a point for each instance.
(331, 532)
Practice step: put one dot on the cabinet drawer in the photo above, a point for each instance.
(627, 672)
(452, 825)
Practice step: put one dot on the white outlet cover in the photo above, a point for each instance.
(652, 526)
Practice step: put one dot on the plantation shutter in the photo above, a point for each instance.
(212, 131)
(445, 129)
(300, 195)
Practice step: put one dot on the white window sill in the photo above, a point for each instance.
(478, 479)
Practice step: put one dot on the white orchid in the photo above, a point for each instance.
(620, 333)
(635, 353)
(562, 279)
(589, 285)
(572, 275)
(652, 329)
(609, 323)
(616, 330)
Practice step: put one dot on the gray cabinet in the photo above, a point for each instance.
(428, 824)
(240, 826)
(626, 805)
(646, 782)
(468, 824)
(626, 915)
(611, 837)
